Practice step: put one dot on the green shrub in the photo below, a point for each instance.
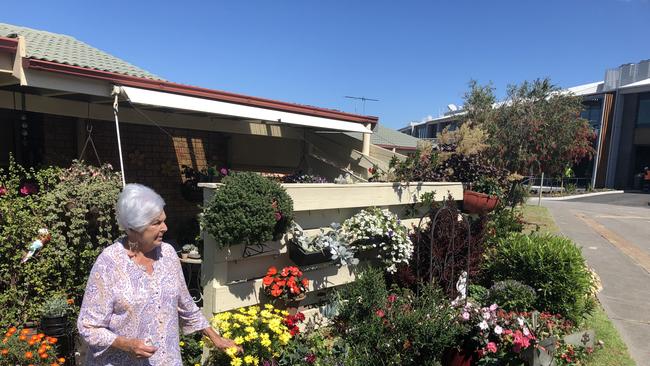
(247, 209)
(76, 205)
(396, 327)
(478, 293)
(553, 266)
(503, 222)
(512, 295)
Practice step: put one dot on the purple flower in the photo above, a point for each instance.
(310, 358)
(223, 171)
(278, 216)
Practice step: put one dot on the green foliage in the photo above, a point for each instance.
(317, 348)
(191, 348)
(396, 327)
(76, 205)
(248, 209)
(55, 307)
(553, 266)
(488, 185)
(478, 293)
(512, 295)
(503, 222)
(539, 128)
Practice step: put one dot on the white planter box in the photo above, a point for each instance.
(231, 280)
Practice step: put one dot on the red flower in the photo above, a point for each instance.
(380, 313)
(271, 271)
(3, 191)
(392, 298)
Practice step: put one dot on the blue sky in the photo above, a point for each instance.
(414, 56)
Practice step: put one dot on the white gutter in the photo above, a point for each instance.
(183, 102)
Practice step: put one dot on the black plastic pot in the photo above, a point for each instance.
(303, 258)
(55, 327)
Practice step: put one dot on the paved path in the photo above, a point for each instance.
(614, 232)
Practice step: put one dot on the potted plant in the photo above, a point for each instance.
(482, 197)
(23, 347)
(381, 234)
(54, 316)
(247, 209)
(287, 288)
(191, 251)
(305, 251)
(192, 177)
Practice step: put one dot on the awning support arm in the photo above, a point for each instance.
(116, 93)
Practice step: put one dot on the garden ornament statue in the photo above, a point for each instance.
(461, 287)
(42, 239)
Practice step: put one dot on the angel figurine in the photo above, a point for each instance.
(42, 239)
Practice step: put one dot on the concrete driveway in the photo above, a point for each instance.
(614, 232)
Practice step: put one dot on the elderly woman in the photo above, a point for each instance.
(136, 295)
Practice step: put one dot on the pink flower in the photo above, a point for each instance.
(465, 315)
(223, 171)
(380, 313)
(392, 298)
(28, 188)
(491, 347)
(278, 216)
(310, 358)
(3, 191)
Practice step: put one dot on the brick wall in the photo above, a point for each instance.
(151, 157)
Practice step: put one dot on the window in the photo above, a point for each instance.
(643, 114)
(592, 112)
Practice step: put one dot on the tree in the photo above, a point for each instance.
(538, 127)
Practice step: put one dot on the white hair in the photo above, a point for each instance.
(137, 206)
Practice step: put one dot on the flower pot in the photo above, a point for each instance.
(290, 305)
(478, 203)
(55, 327)
(542, 354)
(456, 357)
(303, 258)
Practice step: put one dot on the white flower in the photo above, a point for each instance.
(520, 321)
(498, 330)
(483, 325)
(486, 315)
(493, 307)
(526, 331)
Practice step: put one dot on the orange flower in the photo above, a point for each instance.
(70, 301)
(44, 355)
(271, 271)
(24, 331)
(31, 342)
(23, 337)
(305, 282)
(28, 355)
(40, 335)
(12, 330)
(54, 364)
(4, 352)
(52, 340)
(61, 360)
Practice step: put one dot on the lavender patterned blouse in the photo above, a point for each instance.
(123, 299)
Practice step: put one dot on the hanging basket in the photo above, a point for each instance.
(478, 203)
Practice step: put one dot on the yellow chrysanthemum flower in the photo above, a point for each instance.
(248, 359)
(236, 361)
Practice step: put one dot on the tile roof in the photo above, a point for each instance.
(60, 48)
(388, 137)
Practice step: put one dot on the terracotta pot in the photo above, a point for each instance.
(478, 203)
(290, 306)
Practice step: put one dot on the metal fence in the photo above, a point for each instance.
(551, 185)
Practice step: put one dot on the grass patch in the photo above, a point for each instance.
(538, 217)
(614, 351)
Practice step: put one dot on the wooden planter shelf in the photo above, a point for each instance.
(232, 279)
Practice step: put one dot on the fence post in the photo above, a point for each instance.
(541, 185)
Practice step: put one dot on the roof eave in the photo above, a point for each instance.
(8, 45)
(160, 85)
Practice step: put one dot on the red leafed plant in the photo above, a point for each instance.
(288, 284)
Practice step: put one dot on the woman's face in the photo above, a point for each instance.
(152, 236)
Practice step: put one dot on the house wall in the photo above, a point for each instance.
(151, 156)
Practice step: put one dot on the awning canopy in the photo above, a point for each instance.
(183, 102)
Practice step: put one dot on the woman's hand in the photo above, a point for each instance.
(135, 347)
(219, 341)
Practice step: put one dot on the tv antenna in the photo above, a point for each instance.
(362, 99)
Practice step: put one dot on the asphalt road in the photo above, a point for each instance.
(614, 232)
